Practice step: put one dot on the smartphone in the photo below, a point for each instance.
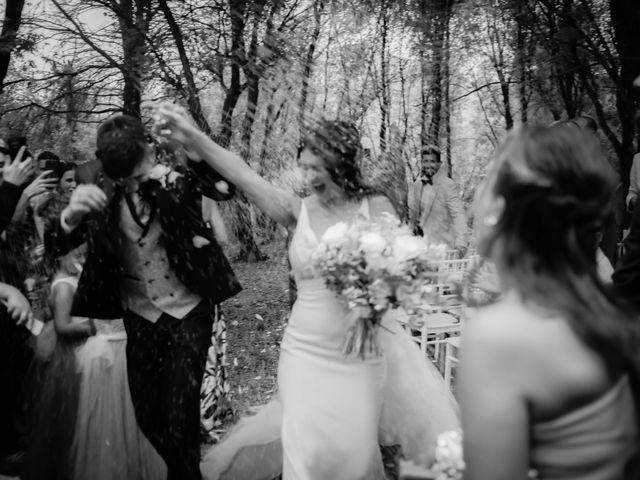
(14, 144)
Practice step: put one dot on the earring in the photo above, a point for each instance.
(490, 221)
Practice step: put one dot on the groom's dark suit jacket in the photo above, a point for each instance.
(203, 269)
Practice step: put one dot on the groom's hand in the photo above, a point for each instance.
(85, 199)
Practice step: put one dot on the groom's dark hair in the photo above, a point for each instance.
(121, 145)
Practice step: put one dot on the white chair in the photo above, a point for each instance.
(433, 329)
(452, 345)
(452, 270)
(438, 326)
(451, 254)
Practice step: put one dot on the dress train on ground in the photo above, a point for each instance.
(417, 407)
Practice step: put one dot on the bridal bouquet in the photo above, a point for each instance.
(376, 266)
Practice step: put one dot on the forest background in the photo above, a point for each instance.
(256, 74)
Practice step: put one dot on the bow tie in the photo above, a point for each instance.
(427, 181)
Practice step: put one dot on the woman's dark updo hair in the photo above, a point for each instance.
(558, 190)
(338, 144)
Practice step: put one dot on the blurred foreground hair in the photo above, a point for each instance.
(558, 190)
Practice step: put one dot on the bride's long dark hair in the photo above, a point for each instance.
(338, 143)
(558, 190)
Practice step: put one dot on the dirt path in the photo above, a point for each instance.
(255, 322)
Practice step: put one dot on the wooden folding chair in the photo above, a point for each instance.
(452, 270)
(452, 345)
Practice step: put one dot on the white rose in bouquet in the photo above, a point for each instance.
(372, 242)
(335, 234)
(380, 292)
(408, 247)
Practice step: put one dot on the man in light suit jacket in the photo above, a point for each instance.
(435, 208)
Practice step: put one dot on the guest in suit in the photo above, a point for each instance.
(152, 260)
(435, 207)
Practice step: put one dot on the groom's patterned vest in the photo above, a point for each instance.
(149, 286)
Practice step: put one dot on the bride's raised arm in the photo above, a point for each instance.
(281, 206)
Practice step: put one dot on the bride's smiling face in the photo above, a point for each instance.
(315, 175)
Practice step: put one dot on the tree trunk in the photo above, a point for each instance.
(190, 91)
(253, 93)
(405, 113)
(497, 41)
(132, 28)
(384, 83)
(270, 121)
(447, 98)
(318, 7)
(522, 64)
(10, 27)
(424, 103)
(567, 66)
(442, 13)
(242, 225)
(237, 10)
(254, 70)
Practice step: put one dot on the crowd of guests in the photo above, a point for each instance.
(129, 286)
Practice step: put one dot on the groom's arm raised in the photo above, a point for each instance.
(68, 231)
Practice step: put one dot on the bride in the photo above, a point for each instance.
(332, 412)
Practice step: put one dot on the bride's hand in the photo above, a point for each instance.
(171, 123)
(176, 125)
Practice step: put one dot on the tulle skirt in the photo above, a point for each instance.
(329, 404)
(84, 425)
(53, 413)
(108, 445)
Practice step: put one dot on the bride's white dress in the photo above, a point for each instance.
(332, 412)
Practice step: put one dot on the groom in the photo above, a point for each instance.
(153, 261)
